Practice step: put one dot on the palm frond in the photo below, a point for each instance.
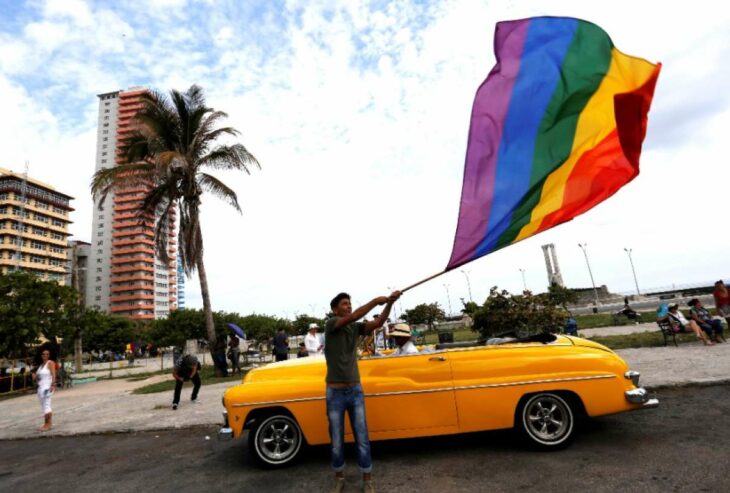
(229, 157)
(219, 189)
(107, 180)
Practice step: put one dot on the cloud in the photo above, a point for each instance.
(359, 112)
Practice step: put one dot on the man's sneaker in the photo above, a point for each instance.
(339, 486)
(367, 487)
(195, 401)
(174, 407)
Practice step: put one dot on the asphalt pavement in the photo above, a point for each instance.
(679, 446)
(108, 405)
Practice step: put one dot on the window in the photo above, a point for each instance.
(100, 242)
(106, 138)
(105, 131)
(98, 288)
(101, 217)
(98, 260)
(100, 225)
(103, 161)
(103, 154)
(98, 298)
(98, 278)
(98, 269)
(106, 110)
(100, 233)
(100, 251)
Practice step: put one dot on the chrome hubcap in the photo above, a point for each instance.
(278, 439)
(547, 418)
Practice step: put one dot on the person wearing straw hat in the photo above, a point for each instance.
(313, 341)
(402, 335)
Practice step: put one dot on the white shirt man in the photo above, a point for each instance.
(313, 341)
(402, 335)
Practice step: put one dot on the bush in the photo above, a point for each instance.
(523, 314)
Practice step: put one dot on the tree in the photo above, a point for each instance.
(470, 307)
(29, 308)
(301, 323)
(524, 313)
(424, 314)
(562, 296)
(172, 144)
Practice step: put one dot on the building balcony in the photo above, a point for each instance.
(132, 243)
(131, 277)
(132, 297)
(131, 308)
(132, 269)
(137, 258)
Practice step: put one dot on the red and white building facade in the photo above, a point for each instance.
(125, 276)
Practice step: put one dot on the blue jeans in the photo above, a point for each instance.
(348, 399)
(710, 326)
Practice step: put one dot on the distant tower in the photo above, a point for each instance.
(551, 263)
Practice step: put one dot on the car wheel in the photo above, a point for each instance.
(276, 440)
(547, 421)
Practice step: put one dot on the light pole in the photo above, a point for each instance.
(448, 297)
(631, 261)
(468, 284)
(395, 312)
(590, 273)
(524, 283)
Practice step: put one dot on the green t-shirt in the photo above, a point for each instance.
(340, 351)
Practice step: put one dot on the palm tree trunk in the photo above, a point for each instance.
(207, 310)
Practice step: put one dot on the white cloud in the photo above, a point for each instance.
(359, 117)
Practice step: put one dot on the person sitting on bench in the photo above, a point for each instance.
(699, 314)
(678, 321)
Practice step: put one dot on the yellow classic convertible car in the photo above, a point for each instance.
(538, 388)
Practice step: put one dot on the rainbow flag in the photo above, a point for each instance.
(556, 128)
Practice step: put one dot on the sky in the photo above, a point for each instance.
(358, 113)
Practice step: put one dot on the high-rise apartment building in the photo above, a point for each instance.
(34, 220)
(125, 275)
(78, 263)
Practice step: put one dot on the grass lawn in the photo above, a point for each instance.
(641, 339)
(207, 376)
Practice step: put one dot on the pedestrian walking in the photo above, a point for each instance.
(344, 392)
(46, 378)
(186, 368)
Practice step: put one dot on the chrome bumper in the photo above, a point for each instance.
(225, 432)
(641, 396)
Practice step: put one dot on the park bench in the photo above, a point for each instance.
(667, 330)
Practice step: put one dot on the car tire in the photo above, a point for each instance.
(276, 440)
(546, 421)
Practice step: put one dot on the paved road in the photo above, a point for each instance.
(681, 446)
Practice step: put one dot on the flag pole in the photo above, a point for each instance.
(422, 281)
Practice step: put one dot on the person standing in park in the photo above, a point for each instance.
(186, 368)
(722, 301)
(46, 378)
(313, 341)
(234, 350)
(281, 345)
(344, 392)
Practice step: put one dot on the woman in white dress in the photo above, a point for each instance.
(46, 378)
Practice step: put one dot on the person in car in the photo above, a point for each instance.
(403, 343)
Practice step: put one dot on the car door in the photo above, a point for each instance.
(409, 395)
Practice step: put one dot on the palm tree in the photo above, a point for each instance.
(172, 143)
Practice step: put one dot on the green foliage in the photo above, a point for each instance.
(102, 332)
(301, 323)
(470, 307)
(424, 314)
(182, 325)
(29, 308)
(523, 313)
(562, 296)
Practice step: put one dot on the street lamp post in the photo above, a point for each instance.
(524, 283)
(590, 272)
(631, 261)
(468, 284)
(395, 312)
(448, 297)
